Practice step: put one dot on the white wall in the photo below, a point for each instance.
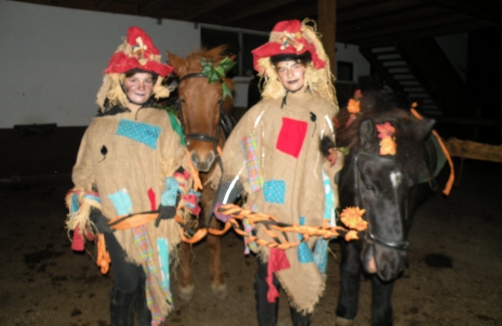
(51, 59)
(350, 53)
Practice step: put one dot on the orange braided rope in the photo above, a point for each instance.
(103, 259)
(451, 179)
(197, 184)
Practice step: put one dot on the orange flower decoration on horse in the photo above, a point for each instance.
(386, 134)
(352, 217)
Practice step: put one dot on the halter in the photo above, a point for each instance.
(198, 135)
(369, 236)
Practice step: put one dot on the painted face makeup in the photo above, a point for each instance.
(291, 74)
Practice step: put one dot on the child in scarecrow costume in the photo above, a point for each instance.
(131, 161)
(273, 159)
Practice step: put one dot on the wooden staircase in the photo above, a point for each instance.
(420, 70)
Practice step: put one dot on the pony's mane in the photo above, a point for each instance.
(214, 55)
(381, 108)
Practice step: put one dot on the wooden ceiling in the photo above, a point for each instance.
(359, 22)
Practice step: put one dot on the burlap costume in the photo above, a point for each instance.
(122, 166)
(274, 155)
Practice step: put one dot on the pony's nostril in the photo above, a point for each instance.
(194, 158)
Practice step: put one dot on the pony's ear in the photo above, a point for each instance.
(367, 134)
(178, 63)
(424, 128)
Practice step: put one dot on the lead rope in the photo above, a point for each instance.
(451, 179)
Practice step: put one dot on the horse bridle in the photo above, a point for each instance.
(369, 236)
(198, 135)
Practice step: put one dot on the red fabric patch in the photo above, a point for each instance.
(78, 243)
(291, 136)
(277, 261)
(151, 196)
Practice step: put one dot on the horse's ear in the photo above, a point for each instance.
(178, 63)
(367, 134)
(424, 128)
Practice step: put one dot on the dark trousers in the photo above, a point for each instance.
(128, 295)
(266, 311)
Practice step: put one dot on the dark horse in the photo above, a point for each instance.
(203, 113)
(385, 177)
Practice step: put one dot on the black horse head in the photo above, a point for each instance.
(386, 160)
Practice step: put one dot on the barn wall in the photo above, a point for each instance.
(51, 64)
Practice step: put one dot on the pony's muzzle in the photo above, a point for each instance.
(203, 164)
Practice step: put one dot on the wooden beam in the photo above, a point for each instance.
(409, 26)
(481, 9)
(101, 4)
(256, 9)
(326, 23)
(153, 6)
(393, 38)
(205, 7)
(375, 8)
(267, 23)
(393, 17)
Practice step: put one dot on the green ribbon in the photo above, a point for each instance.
(217, 73)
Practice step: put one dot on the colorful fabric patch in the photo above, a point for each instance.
(75, 205)
(248, 145)
(291, 136)
(321, 255)
(139, 131)
(329, 199)
(274, 191)
(176, 127)
(92, 196)
(151, 197)
(122, 202)
(144, 247)
(168, 197)
(304, 252)
(163, 250)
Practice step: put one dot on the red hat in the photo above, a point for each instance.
(287, 37)
(137, 52)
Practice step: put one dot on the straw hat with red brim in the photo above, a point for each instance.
(287, 37)
(136, 54)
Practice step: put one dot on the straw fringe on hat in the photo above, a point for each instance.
(137, 52)
(293, 37)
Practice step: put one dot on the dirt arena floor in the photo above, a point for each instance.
(455, 275)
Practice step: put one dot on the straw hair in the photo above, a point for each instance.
(319, 81)
(112, 90)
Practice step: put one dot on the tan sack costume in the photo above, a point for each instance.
(273, 156)
(128, 163)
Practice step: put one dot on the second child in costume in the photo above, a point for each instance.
(130, 161)
(273, 158)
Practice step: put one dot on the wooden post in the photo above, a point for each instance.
(326, 25)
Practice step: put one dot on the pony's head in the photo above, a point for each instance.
(202, 102)
(386, 160)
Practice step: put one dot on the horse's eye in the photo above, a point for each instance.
(370, 187)
(182, 100)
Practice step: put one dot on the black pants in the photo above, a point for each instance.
(266, 311)
(128, 295)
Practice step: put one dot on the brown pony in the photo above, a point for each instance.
(201, 108)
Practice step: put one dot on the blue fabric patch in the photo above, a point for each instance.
(122, 202)
(321, 255)
(168, 197)
(304, 252)
(329, 198)
(75, 205)
(274, 191)
(92, 197)
(139, 131)
(163, 250)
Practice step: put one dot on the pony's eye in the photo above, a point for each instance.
(182, 100)
(370, 188)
